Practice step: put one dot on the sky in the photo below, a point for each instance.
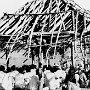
(11, 6)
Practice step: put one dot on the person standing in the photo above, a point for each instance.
(82, 79)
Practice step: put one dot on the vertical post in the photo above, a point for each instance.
(72, 53)
(31, 34)
(7, 52)
(73, 43)
(59, 29)
(54, 25)
(75, 38)
(41, 53)
(85, 59)
(62, 23)
(41, 44)
(85, 51)
(57, 39)
(49, 10)
(32, 29)
(76, 33)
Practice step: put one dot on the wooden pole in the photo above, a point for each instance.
(41, 53)
(76, 33)
(85, 51)
(54, 26)
(72, 43)
(72, 53)
(58, 31)
(11, 48)
(62, 23)
(75, 38)
(32, 30)
(85, 60)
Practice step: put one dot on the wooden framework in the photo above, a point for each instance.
(60, 20)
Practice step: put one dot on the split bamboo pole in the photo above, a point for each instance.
(11, 48)
(76, 32)
(62, 23)
(85, 55)
(81, 39)
(72, 44)
(75, 42)
(32, 30)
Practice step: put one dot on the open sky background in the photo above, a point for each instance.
(10, 6)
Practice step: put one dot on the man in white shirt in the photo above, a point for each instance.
(34, 83)
(19, 81)
(7, 82)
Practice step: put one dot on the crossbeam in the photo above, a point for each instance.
(38, 13)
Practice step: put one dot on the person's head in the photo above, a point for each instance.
(44, 41)
(40, 70)
(79, 71)
(2, 68)
(65, 65)
(24, 67)
(8, 69)
(59, 68)
(40, 64)
(13, 68)
(33, 71)
(27, 68)
(20, 70)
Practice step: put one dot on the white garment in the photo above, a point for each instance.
(27, 77)
(2, 75)
(50, 75)
(53, 84)
(19, 80)
(58, 81)
(29, 74)
(72, 86)
(60, 73)
(46, 88)
(14, 73)
(33, 71)
(46, 71)
(77, 77)
(7, 82)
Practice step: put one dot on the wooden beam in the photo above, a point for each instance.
(39, 13)
(43, 33)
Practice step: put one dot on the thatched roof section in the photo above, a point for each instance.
(57, 21)
(49, 14)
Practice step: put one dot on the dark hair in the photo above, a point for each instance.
(2, 68)
(24, 67)
(13, 67)
(8, 69)
(32, 66)
(20, 70)
(40, 64)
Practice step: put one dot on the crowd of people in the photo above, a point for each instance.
(67, 78)
(29, 77)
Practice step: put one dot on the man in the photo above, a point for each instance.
(34, 83)
(82, 79)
